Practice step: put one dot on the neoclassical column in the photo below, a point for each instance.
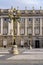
(25, 26)
(33, 26)
(18, 28)
(41, 26)
(1, 25)
(9, 28)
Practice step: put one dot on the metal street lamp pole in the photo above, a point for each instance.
(30, 36)
(14, 16)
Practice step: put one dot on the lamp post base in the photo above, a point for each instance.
(30, 47)
(15, 49)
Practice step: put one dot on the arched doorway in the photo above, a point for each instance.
(37, 44)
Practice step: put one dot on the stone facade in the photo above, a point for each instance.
(29, 28)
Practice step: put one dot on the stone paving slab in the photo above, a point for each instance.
(26, 57)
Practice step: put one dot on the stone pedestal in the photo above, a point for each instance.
(30, 47)
(15, 49)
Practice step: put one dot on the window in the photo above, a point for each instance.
(37, 19)
(29, 19)
(6, 19)
(22, 22)
(37, 30)
(22, 26)
(37, 22)
(22, 19)
(29, 22)
(5, 26)
(5, 31)
(29, 31)
(22, 31)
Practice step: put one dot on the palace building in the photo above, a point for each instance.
(29, 29)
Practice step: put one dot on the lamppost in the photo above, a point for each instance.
(30, 41)
(15, 16)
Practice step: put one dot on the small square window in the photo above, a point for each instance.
(37, 19)
(30, 19)
(6, 19)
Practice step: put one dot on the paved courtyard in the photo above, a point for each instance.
(25, 57)
(24, 54)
